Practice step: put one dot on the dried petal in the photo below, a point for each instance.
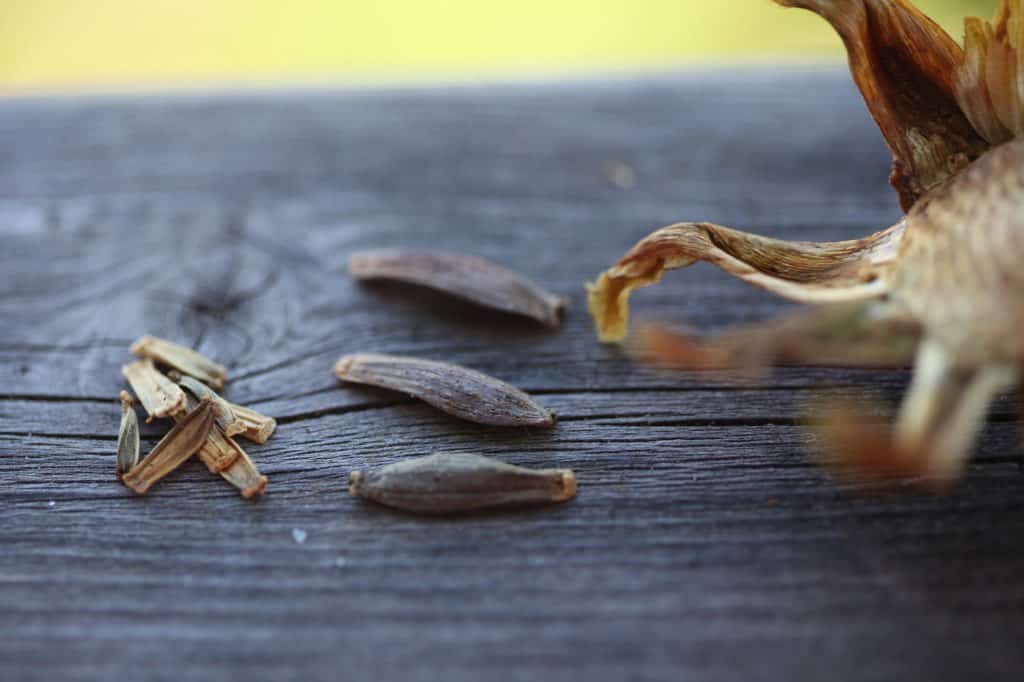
(456, 483)
(990, 81)
(159, 395)
(467, 277)
(863, 334)
(939, 419)
(127, 436)
(180, 443)
(905, 66)
(185, 360)
(224, 412)
(825, 272)
(459, 391)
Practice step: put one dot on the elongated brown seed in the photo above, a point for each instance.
(127, 436)
(459, 391)
(223, 456)
(224, 413)
(185, 360)
(467, 277)
(455, 483)
(160, 396)
(180, 443)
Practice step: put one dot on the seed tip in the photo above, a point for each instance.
(140, 344)
(354, 480)
(343, 365)
(256, 489)
(568, 486)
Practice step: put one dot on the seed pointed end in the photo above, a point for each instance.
(568, 490)
(343, 365)
(355, 480)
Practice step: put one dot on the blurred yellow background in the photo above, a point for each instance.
(53, 44)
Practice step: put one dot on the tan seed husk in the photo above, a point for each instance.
(458, 483)
(467, 277)
(223, 455)
(180, 443)
(127, 436)
(459, 391)
(257, 427)
(224, 411)
(160, 396)
(183, 359)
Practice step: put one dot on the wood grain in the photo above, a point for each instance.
(704, 542)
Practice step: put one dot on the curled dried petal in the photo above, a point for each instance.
(823, 272)
(905, 66)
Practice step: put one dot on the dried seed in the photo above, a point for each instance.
(185, 360)
(224, 411)
(223, 455)
(180, 443)
(160, 396)
(258, 427)
(127, 436)
(454, 483)
(459, 391)
(467, 277)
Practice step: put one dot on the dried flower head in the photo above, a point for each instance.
(942, 287)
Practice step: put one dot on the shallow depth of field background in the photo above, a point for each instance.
(114, 44)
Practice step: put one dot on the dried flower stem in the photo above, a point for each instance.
(160, 396)
(457, 483)
(185, 360)
(467, 277)
(459, 391)
(180, 443)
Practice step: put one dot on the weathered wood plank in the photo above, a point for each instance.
(705, 542)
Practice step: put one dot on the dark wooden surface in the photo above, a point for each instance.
(704, 544)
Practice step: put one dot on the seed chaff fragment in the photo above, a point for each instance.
(467, 277)
(160, 396)
(127, 436)
(459, 391)
(224, 412)
(223, 456)
(257, 427)
(180, 443)
(183, 359)
(457, 483)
